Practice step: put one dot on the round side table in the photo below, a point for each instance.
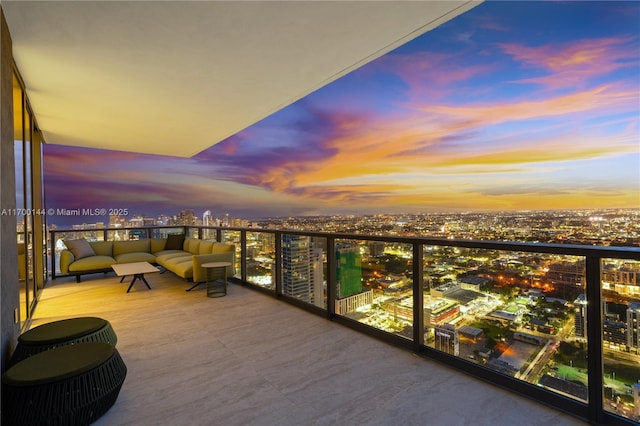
(216, 271)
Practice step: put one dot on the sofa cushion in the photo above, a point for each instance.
(92, 263)
(205, 247)
(158, 245)
(80, 248)
(182, 267)
(163, 258)
(102, 248)
(131, 246)
(135, 257)
(166, 252)
(222, 248)
(174, 242)
(193, 246)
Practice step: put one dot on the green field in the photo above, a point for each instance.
(512, 309)
(572, 374)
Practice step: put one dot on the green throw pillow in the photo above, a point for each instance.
(80, 248)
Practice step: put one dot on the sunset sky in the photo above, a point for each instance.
(511, 106)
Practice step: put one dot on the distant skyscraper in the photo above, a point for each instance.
(349, 273)
(317, 277)
(208, 219)
(376, 248)
(302, 276)
(580, 316)
(633, 325)
(187, 217)
(446, 339)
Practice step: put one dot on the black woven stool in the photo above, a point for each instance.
(63, 332)
(70, 385)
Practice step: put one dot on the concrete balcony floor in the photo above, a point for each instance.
(248, 359)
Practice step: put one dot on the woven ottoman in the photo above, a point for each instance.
(61, 333)
(69, 385)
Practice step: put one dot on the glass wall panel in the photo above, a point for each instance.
(621, 336)
(28, 212)
(43, 217)
(303, 266)
(520, 314)
(29, 217)
(374, 284)
(233, 237)
(21, 226)
(261, 258)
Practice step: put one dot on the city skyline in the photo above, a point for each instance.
(494, 110)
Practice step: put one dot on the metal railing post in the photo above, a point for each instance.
(278, 277)
(331, 277)
(52, 241)
(243, 255)
(418, 297)
(594, 339)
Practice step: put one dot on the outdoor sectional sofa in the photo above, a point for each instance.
(183, 257)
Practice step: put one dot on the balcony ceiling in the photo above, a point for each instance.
(174, 78)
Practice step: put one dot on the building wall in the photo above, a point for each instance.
(9, 287)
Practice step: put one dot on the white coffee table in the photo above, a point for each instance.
(137, 269)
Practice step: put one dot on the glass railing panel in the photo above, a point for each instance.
(233, 237)
(620, 285)
(60, 237)
(127, 234)
(261, 258)
(374, 284)
(520, 314)
(89, 235)
(209, 234)
(303, 269)
(159, 233)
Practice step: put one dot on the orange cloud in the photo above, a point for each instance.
(574, 64)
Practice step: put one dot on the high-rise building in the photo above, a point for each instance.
(187, 217)
(208, 219)
(614, 332)
(580, 316)
(567, 274)
(446, 339)
(317, 277)
(349, 270)
(622, 279)
(302, 276)
(376, 248)
(116, 221)
(633, 325)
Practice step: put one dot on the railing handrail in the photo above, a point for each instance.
(618, 252)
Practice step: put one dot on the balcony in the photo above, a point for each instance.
(496, 327)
